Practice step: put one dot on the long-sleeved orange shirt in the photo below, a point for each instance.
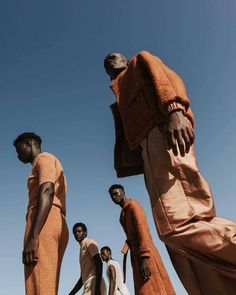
(146, 92)
(134, 222)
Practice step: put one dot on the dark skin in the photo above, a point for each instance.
(119, 198)
(27, 150)
(106, 256)
(179, 133)
(79, 235)
(124, 264)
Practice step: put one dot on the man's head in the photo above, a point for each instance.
(117, 194)
(106, 253)
(114, 64)
(28, 146)
(79, 231)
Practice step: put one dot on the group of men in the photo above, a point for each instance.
(154, 135)
(46, 235)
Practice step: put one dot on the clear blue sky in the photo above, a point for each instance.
(52, 82)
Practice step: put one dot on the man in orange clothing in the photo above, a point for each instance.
(150, 276)
(154, 134)
(46, 233)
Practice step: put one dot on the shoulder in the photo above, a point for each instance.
(92, 247)
(145, 53)
(91, 244)
(43, 160)
(113, 263)
(133, 203)
(48, 158)
(91, 241)
(147, 57)
(134, 207)
(45, 156)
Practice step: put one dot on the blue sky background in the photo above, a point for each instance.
(52, 82)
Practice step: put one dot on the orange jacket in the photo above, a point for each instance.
(146, 92)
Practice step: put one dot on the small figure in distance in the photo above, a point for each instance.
(115, 276)
(90, 264)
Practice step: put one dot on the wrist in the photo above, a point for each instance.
(175, 107)
(144, 257)
(34, 236)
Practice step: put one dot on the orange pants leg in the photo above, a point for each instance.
(43, 278)
(184, 214)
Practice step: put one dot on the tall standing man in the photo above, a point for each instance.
(115, 275)
(150, 276)
(90, 264)
(152, 113)
(46, 233)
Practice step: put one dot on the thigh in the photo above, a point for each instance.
(43, 278)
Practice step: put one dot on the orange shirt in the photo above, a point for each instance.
(47, 168)
(146, 92)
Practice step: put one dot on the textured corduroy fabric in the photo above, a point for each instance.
(146, 92)
(43, 278)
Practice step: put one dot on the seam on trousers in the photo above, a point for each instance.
(154, 184)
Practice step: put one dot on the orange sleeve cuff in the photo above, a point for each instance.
(144, 251)
(175, 106)
(125, 249)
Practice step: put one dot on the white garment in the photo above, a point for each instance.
(120, 287)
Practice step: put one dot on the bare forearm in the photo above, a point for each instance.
(112, 288)
(77, 287)
(112, 275)
(30, 251)
(124, 266)
(98, 265)
(98, 276)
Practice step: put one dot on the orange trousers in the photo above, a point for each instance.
(201, 246)
(43, 278)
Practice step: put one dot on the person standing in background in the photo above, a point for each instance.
(46, 234)
(115, 276)
(150, 275)
(90, 264)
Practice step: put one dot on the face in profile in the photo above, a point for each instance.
(114, 64)
(24, 151)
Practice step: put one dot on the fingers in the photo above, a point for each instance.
(180, 140)
(29, 258)
(146, 273)
(186, 140)
(175, 142)
(180, 134)
(191, 135)
(171, 141)
(180, 143)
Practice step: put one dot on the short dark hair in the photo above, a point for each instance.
(84, 227)
(108, 56)
(27, 135)
(106, 248)
(114, 186)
